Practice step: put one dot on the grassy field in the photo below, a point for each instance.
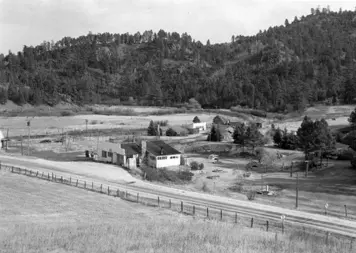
(40, 216)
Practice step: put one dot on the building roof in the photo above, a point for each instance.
(235, 124)
(158, 148)
(221, 118)
(131, 148)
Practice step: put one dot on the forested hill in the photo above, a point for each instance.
(286, 67)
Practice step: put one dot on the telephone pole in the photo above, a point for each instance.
(297, 191)
(29, 137)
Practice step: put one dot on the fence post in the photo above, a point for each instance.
(117, 193)
(193, 210)
(345, 210)
(108, 190)
(207, 212)
(158, 201)
(85, 184)
(282, 227)
(92, 185)
(181, 206)
(48, 177)
(137, 197)
(36, 173)
(251, 222)
(267, 224)
(221, 214)
(170, 204)
(76, 183)
(62, 179)
(42, 174)
(235, 217)
(101, 188)
(327, 238)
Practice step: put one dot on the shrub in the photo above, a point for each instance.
(163, 175)
(93, 122)
(201, 166)
(205, 187)
(66, 113)
(251, 195)
(353, 162)
(161, 122)
(171, 132)
(194, 165)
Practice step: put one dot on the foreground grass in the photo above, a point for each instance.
(40, 216)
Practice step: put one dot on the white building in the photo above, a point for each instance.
(123, 154)
(201, 126)
(2, 140)
(159, 154)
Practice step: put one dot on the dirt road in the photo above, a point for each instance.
(119, 178)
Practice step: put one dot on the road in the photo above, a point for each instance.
(246, 209)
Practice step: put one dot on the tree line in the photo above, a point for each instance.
(283, 68)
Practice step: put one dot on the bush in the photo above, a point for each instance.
(161, 122)
(163, 175)
(66, 113)
(201, 166)
(251, 195)
(194, 165)
(171, 132)
(93, 122)
(353, 162)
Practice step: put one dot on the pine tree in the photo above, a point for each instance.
(214, 134)
(277, 137)
(152, 129)
(196, 119)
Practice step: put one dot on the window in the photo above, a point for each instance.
(174, 157)
(104, 154)
(109, 154)
(152, 157)
(162, 158)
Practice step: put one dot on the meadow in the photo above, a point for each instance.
(41, 216)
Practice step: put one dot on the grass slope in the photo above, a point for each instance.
(40, 216)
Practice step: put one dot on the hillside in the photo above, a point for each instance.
(309, 60)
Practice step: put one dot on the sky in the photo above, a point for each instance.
(30, 22)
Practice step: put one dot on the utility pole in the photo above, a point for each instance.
(86, 127)
(297, 192)
(29, 137)
(21, 146)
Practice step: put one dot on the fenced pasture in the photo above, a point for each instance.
(181, 206)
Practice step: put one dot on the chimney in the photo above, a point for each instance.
(143, 148)
(161, 151)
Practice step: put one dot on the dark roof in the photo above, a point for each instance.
(131, 148)
(235, 124)
(155, 148)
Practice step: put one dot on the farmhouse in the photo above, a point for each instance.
(201, 126)
(159, 154)
(123, 154)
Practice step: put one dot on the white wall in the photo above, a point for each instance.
(170, 161)
(201, 125)
(109, 147)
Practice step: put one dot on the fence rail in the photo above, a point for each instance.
(185, 208)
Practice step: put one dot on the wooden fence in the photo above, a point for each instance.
(182, 207)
